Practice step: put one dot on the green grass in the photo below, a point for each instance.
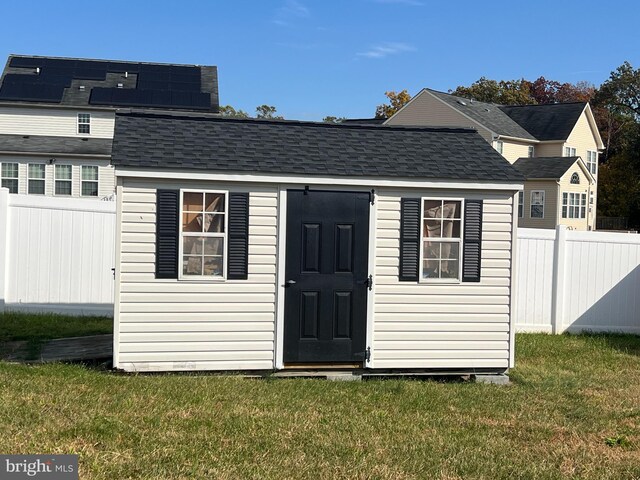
(45, 326)
(573, 411)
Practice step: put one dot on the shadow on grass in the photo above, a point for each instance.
(621, 342)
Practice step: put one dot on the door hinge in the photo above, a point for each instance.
(366, 355)
(369, 282)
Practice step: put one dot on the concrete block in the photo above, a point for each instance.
(501, 379)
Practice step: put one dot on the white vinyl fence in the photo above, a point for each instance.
(56, 254)
(577, 281)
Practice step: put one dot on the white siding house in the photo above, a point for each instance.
(309, 260)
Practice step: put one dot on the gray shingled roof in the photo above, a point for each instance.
(544, 167)
(546, 122)
(489, 115)
(150, 140)
(55, 145)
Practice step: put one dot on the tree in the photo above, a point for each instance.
(229, 111)
(621, 92)
(397, 100)
(504, 92)
(267, 111)
(331, 119)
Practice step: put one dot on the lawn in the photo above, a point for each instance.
(573, 411)
(45, 326)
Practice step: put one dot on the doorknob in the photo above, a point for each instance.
(289, 283)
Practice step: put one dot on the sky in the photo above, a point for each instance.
(313, 58)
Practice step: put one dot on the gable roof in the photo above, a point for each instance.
(488, 115)
(47, 145)
(151, 140)
(539, 168)
(553, 121)
(107, 83)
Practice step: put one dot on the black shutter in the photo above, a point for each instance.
(471, 260)
(238, 249)
(167, 217)
(409, 239)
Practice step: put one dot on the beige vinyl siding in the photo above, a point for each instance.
(422, 325)
(425, 109)
(551, 212)
(194, 325)
(106, 175)
(512, 150)
(551, 149)
(583, 187)
(56, 122)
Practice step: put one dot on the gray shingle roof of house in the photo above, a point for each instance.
(209, 143)
(40, 144)
(544, 167)
(364, 121)
(489, 115)
(546, 122)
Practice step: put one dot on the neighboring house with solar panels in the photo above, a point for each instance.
(57, 117)
(527, 131)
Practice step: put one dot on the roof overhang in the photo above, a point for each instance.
(175, 174)
(56, 154)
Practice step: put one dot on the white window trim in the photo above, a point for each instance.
(43, 179)
(570, 148)
(225, 236)
(499, 146)
(571, 196)
(450, 281)
(595, 162)
(531, 151)
(56, 180)
(574, 175)
(544, 199)
(78, 123)
(17, 177)
(96, 181)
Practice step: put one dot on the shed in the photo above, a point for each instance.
(259, 245)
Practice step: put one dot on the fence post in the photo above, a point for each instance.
(558, 284)
(4, 234)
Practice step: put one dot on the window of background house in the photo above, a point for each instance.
(441, 239)
(575, 179)
(84, 123)
(592, 161)
(10, 177)
(531, 150)
(499, 146)
(574, 205)
(569, 152)
(89, 187)
(63, 180)
(520, 204)
(537, 204)
(203, 234)
(36, 175)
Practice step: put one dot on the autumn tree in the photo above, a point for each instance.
(268, 112)
(397, 100)
(332, 119)
(505, 92)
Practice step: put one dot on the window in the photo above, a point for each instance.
(520, 204)
(441, 239)
(569, 152)
(10, 177)
(592, 162)
(36, 178)
(537, 204)
(203, 234)
(574, 205)
(63, 180)
(89, 187)
(575, 179)
(531, 150)
(499, 146)
(84, 123)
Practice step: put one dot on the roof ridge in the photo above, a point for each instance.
(133, 62)
(206, 116)
(543, 104)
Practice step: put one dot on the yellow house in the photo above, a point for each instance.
(556, 192)
(533, 131)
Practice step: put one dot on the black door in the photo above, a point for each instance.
(326, 276)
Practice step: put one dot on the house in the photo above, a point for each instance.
(553, 130)
(57, 117)
(248, 244)
(556, 191)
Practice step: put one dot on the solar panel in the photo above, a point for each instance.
(32, 92)
(26, 62)
(149, 98)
